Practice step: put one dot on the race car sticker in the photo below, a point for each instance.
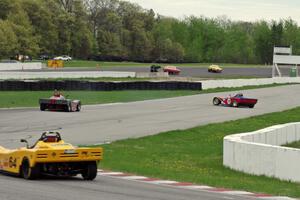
(12, 163)
(228, 101)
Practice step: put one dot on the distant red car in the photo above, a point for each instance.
(235, 101)
(172, 70)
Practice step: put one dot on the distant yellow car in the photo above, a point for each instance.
(215, 69)
(51, 156)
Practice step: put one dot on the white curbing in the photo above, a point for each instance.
(166, 182)
(111, 173)
(134, 177)
(260, 153)
(237, 193)
(188, 186)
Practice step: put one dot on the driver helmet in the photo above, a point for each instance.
(56, 93)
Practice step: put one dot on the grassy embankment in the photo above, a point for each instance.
(11, 99)
(195, 155)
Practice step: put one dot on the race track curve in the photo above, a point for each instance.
(105, 123)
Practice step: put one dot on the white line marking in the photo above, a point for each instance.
(237, 192)
(134, 177)
(201, 187)
(110, 173)
(277, 198)
(161, 182)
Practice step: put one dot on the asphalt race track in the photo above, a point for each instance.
(261, 72)
(106, 123)
(102, 188)
(264, 72)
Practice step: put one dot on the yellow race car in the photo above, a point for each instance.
(50, 155)
(215, 69)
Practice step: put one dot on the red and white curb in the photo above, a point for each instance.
(189, 186)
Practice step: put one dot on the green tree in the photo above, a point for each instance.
(291, 35)
(238, 45)
(263, 44)
(277, 33)
(28, 43)
(8, 39)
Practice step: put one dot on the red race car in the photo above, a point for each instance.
(172, 70)
(235, 101)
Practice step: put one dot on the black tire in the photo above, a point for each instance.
(216, 101)
(42, 107)
(251, 106)
(90, 171)
(78, 108)
(235, 104)
(29, 173)
(67, 108)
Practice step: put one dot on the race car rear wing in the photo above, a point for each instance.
(54, 101)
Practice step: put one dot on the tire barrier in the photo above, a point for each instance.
(96, 86)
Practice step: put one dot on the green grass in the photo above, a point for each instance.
(294, 145)
(195, 155)
(30, 98)
(86, 63)
(13, 99)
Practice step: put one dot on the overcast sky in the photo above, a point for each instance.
(245, 10)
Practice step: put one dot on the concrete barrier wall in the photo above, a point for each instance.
(20, 66)
(152, 74)
(65, 74)
(96, 86)
(260, 153)
(209, 84)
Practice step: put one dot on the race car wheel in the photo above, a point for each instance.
(235, 104)
(251, 106)
(42, 107)
(90, 171)
(67, 108)
(28, 172)
(78, 108)
(216, 101)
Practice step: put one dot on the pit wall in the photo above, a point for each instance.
(20, 66)
(210, 84)
(260, 153)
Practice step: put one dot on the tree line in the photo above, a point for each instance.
(123, 31)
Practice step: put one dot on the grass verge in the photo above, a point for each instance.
(13, 99)
(294, 145)
(195, 155)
